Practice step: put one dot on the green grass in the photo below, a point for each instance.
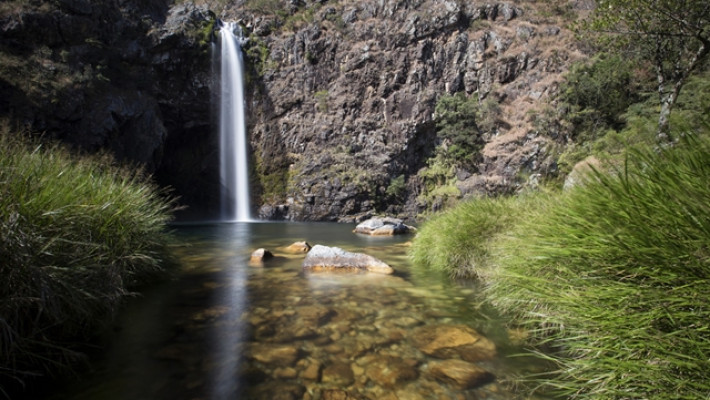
(76, 234)
(458, 241)
(610, 279)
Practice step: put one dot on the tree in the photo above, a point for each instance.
(455, 117)
(674, 35)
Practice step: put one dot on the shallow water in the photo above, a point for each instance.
(225, 329)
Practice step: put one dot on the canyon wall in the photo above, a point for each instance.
(341, 102)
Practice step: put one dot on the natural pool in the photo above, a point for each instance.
(225, 329)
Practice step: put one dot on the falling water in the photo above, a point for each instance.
(234, 173)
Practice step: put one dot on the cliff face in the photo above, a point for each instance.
(342, 116)
(129, 77)
(341, 94)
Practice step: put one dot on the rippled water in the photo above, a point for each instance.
(225, 329)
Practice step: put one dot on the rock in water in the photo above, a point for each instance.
(260, 255)
(386, 226)
(453, 341)
(461, 374)
(335, 259)
(298, 247)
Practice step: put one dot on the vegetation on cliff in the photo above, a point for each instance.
(76, 234)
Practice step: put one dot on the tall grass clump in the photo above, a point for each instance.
(458, 240)
(76, 234)
(613, 278)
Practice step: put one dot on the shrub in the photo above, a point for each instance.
(75, 235)
(614, 278)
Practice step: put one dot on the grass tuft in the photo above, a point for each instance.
(76, 234)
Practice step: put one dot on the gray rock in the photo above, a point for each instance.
(335, 259)
(386, 226)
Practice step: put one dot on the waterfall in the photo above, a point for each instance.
(234, 170)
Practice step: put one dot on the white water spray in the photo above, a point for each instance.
(234, 170)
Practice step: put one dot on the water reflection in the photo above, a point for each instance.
(228, 332)
(225, 330)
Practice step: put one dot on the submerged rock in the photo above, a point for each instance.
(453, 341)
(386, 226)
(334, 259)
(461, 374)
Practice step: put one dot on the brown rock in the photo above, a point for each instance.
(298, 247)
(390, 371)
(335, 259)
(453, 341)
(312, 371)
(281, 355)
(338, 373)
(337, 394)
(462, 374)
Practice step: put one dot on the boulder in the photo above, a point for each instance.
(260, 255)
(298, 247)
(453, 341)
(334, 259)
(379, 226)
(461, 374)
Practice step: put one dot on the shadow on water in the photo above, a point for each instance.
(225, 330)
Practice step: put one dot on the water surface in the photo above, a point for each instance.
(225, 329)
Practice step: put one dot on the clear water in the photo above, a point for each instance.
(225, 329)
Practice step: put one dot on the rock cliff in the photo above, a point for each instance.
(344, 93)
(341, 102)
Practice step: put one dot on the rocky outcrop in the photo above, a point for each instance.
(342, 119)
(386, 226)
(334, 259)
(341, 94)
(132, 78)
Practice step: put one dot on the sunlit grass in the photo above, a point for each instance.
(76, 234)
(614, 276)
(458, 241)
(610, 279)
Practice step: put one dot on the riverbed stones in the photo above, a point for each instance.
(461, 374)
(383, 226)
(389, 371)
(301, 247)
(453, 341)
(334, 259)
(281, 355)
(338, 373)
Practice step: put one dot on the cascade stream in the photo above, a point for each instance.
(234, 169)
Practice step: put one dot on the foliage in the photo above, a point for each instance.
(671, 34)
(75, 235)
(455, 117)
(597, 93)
(640, 127)
(321, 100)
(396, 188)
(458, 240)
(612, 278)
